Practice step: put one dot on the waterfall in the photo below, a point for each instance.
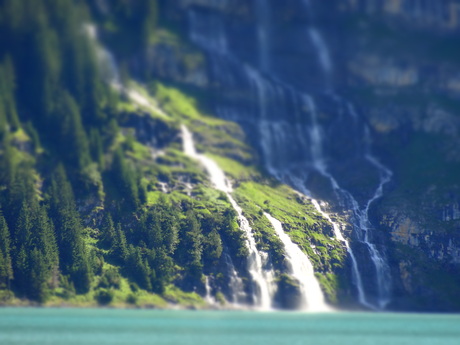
(382, 268)
(294, 145)
(263, 279)
(362, 224)
(323, 53)
(263, 32)
(301, 269)
(356, 276)
(110, 73)
(107, 63)
(209, 297)
(236, 285)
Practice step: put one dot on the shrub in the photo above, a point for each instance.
(104, 296)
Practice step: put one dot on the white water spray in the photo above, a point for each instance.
(209, 298)
(301, 269)
(262, 278)
(235, 282)
(110, 73)
(323, 53)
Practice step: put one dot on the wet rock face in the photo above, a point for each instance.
(288, 294)
(439, 15)
(150, 131)
(439, 243)
(400, 68)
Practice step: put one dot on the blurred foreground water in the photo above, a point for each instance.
(111, 326)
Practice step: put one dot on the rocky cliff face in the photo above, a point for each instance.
(400, 66)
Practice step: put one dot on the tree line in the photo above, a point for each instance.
(59, 125)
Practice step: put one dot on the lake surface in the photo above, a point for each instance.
(110, 326)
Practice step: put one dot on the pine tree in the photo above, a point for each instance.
(125, 181)
(152, 229)
(44, 240)
(107, 231)
(163, 266)
(96, 145)
(212, 247)
(191, 245)
(212, 242)
(6, 268)
(7, 100)
(167, 216)
(73, 254)
(140, 270)
(120, 250)
(22, 245)
(37, 287)
(22, 232)
(19, 180)
(35, 252)
(21, 269)
(73, 142)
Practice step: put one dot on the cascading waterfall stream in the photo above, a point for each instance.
(274, 96)
(235, 282)
(317, 157)
(356, 276)
(281, 138)
(111, 74)
(383, 276)
(263, 33)
(209, 297)
(262, 278)
(301, 269)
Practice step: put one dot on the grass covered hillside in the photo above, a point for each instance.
(99, 204)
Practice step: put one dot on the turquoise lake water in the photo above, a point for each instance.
(109, 326)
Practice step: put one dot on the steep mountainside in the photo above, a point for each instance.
(238, 153)
(379, 73)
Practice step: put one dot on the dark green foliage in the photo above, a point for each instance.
(72, 249)
(6, 268)
(139, 269)
(191, 244)
(211, 225)
(110, 279)
(8, 112)
(35, 254)
(67, 286)
(72, 141)
(160, 226)
(107, 231)
(164, 266)
(119, 249)
(96, 261)
(131, 299)
(124, 182)
(97, 147)
(233, 234)
(212, 249)
(34, 136)
(138, 20)
(60, 131)
(104, 296)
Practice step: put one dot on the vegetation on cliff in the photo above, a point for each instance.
(98, 202)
